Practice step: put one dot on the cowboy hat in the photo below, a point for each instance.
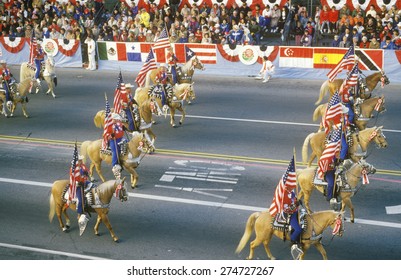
(162, 65)
(129, 85)
(81, 157)
(3, 61)
(116, 116)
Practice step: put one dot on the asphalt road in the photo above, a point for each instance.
(206, 177)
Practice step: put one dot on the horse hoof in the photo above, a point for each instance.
(65, 229)
(115, 239)
(352, 221)
(180, 123)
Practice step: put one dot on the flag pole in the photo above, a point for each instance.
(295, 168)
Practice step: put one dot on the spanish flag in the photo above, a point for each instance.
(327, 57)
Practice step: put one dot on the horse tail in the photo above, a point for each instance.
(323, 90)
(305, 147)
(147, 78)
(52, 210)
(84, 150)
(248, 232)
(98, 120)
(318, 112)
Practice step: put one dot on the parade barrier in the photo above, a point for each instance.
(220, 60)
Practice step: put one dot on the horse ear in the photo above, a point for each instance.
(123, 180)
(380, 127)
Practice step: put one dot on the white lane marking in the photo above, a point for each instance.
(263, 121)
(393, 209)
(200, 202)
(52, 252)
(197, 190)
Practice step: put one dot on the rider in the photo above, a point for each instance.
(82, 184)
(172, 62)
(290, 207)
(6, 79)
(128, 105)
(116, 134)
(161, 80)
(39, 57)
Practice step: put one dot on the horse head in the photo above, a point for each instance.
(378, 137)
(338, 224)
(144, 145)
(380, 108)
(121, 192)
(197, 64)
(384, 79)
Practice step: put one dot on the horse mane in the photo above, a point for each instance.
(187, 65)
(105, 187)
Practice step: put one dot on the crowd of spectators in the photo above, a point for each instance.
(374, 28)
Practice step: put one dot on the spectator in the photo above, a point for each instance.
(372, 12)
(276, 14)
(336, 41)
(333, 19)
(387, 44)
(191, 38)
(206, 39)
(324, 20)
(345, 43)
(374, 44)
(364, 43)
(298, 32)
(236, 36)
(306, 39)
(255, 31)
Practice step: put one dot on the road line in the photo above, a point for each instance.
(202, 203)
(51, 252)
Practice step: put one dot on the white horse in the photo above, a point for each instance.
(47, 73)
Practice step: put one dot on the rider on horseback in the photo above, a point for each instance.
(39, 56)
(290, 207)
(172, 62)
(161, 80)
(130, 107)
(116, 134)
(7, 77)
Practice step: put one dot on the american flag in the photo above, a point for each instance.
(149, 64)
(334, 112)
(332, 147)
(163, 41)
(107, 123)
(347, 60)
(73, 173)
(120, 90)
(189, 53)
(352, 78)
(32, 48)
(288, 182)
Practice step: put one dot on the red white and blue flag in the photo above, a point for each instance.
(74, 172)
(288, 183)
(149, 64)
(120, 90)
(108, 122)
(33, 48)
(334, 112)
(189, 54)
(333, 146)
(352, 78)
(162, 41)
(345, 62)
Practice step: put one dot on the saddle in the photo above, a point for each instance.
(281, 221)
(91, 197)
(123, 148)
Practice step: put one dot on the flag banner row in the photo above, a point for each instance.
(303, 57)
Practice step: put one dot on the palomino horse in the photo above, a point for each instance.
(47, 73)
(105, 192)
(353, 174)
(18, 94)
(361, 121)
(363, 138)
(261, 223)
(371, 83)
(184, 72)
(146, 109)
(174, 100)
(136, 146)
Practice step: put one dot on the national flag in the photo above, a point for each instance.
(149, 64)
(345, 62)
(288, 182)
(372, 60)
(162, 41)
(73, 187)
(334, 112)
(107, 123)
(332, 148)
(112, 51)
(327, 57)
(137, 51)
(206, 53)
(33, 48)
(299, 57)
(353, 75)
(189, 54)
(120, 90)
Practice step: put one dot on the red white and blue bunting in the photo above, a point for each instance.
(363, 4)
(14, 45)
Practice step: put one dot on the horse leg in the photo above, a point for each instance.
(267, 248)
(346, 202)
(96, 227)
(311, 158)
(99, 171)
(307, 196)
(181, 109)
(23, 104)
(134, 177)
(59, 211)
(321, 250)
(255, 243)
(67, 219)
(13, 109)
(172, 114)
(105, 220)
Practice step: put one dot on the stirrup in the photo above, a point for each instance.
(296, 252)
